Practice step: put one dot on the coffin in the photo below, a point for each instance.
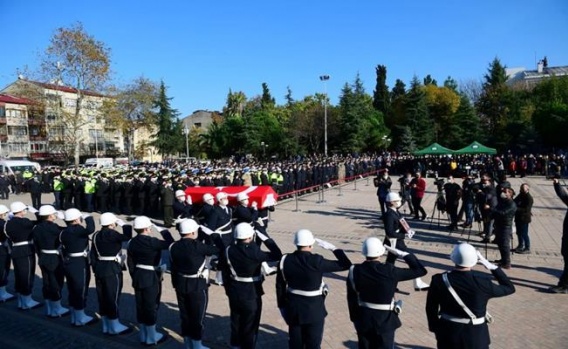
(264, 195)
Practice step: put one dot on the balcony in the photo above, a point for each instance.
(38, 138)
(36, 121)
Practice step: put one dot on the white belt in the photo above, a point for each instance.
(201, 274)
(108, 259)
(22, 243)
(246, 279)
(221, 232)
(477, 321)
(375, 306)
(147, 267)
(77, 254)
(50, 251)
(307, 293)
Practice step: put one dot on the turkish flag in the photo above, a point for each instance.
(264, 195)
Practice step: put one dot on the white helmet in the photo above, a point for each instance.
(4, 209)
(304, 237)
(46, 210)
(188, 226)
(17, 206)
(142, 222)
(222, 195)
(108, 218)
(72, 214)
(243, 231)
(180, 193)
(373, 247)
(242, 197)
(392, 196)
(208, 199)
(464, 255)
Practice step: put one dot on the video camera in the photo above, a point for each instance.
(439, 182)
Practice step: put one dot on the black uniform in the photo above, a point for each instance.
(107, 266)
(34, 187)
(46, 242)
(242, 276)
(561, 192)
(167, 194)
(475, 290)
(394, 231)
(305, 315)
(371, 283)
(221, 222)
(181, 209)
(20, 232)
(243, 214)
(5, 259)
(144, 252)
(189, 279)
(75, 246)
(503, 216)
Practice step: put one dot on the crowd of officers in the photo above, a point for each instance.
(228, 240)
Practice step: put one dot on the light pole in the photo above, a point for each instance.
(264, 146)
(186, 133)
(324, 78)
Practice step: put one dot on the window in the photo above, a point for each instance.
(56, 131)
(37, 147)
(197, 125)
(34, 131)
(70, 102)
(17, 131)
(2, 112)
(15, 113)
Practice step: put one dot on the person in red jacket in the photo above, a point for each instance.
(418, 188)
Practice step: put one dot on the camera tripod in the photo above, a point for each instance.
(439, 196)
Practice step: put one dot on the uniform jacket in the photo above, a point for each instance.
(46, 237)
(19, 229)
(304, 270)
(376, 282)
(187, 256)
(246, 260)
(181, 209)
(108, 243)
(146, 250)
(475, 290)
(75, 238)
(242, 214)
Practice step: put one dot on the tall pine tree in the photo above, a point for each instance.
(416, 111)
(381, 95)
(168, 137)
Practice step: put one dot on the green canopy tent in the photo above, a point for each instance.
(434, 149)
(476, 148)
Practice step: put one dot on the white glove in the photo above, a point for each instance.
(85, 215)
(410, 234)
(326, 245)
(61, 215)
(482, 260)
(158, 229)
(261, 236)
(32, 209)
(179, 220)
(396, 251)
(120, 222)
(254, 205)
(188, 200)
(206, 230)
(10, 215)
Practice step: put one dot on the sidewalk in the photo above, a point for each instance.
(530, 318)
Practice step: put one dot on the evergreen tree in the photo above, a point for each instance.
(396, 116)
(493, 101)
(266, 101)
(468, 125)
(428, 80)
(404, 140)
(416, 111)
(168, 136)
(451, 84)
(288, 97)
(381, 96)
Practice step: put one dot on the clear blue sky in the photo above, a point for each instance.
(201, 49)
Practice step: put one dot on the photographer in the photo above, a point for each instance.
(405, 191)
(453, 194)
(383, 183)
(487, 200)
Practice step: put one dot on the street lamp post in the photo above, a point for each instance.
(186, 133)
(264, 146)
(324, 78)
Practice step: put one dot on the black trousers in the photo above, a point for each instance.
(36, 200)
(5, 261)
(245, 319)
(374, 340)
(306, 336)
(24, 274)
(168, 216)
(109, 288)
(564, 277)
(78, 275)
(147, 303)
(192, 308)
(58, 197)
(418, 209)
(53, 280)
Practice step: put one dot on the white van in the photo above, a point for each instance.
(99, 162)
(8, 167)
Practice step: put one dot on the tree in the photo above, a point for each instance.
(551, 110)
(396, 116)
(468, 125)
(428, 80)
(266, 101)
(442, 104)
(235, 104)
(168, 138)
(416, 113)
(451, 84)
(76, 59)
(132, 108)
(381, 95)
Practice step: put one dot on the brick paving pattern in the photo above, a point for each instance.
(530, 318)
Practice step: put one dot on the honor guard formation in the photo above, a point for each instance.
(229, 244)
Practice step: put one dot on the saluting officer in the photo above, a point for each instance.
(301, 292)
(370, 294)
(19, 230)
(108, 262)
(243, 276)
(144, 253)
(242, 213)
(182, 206)
(75, 247)
(456, 305)
(5, 259)
(190, 280)
(221, 222)
(396, 230)
(46, 241)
